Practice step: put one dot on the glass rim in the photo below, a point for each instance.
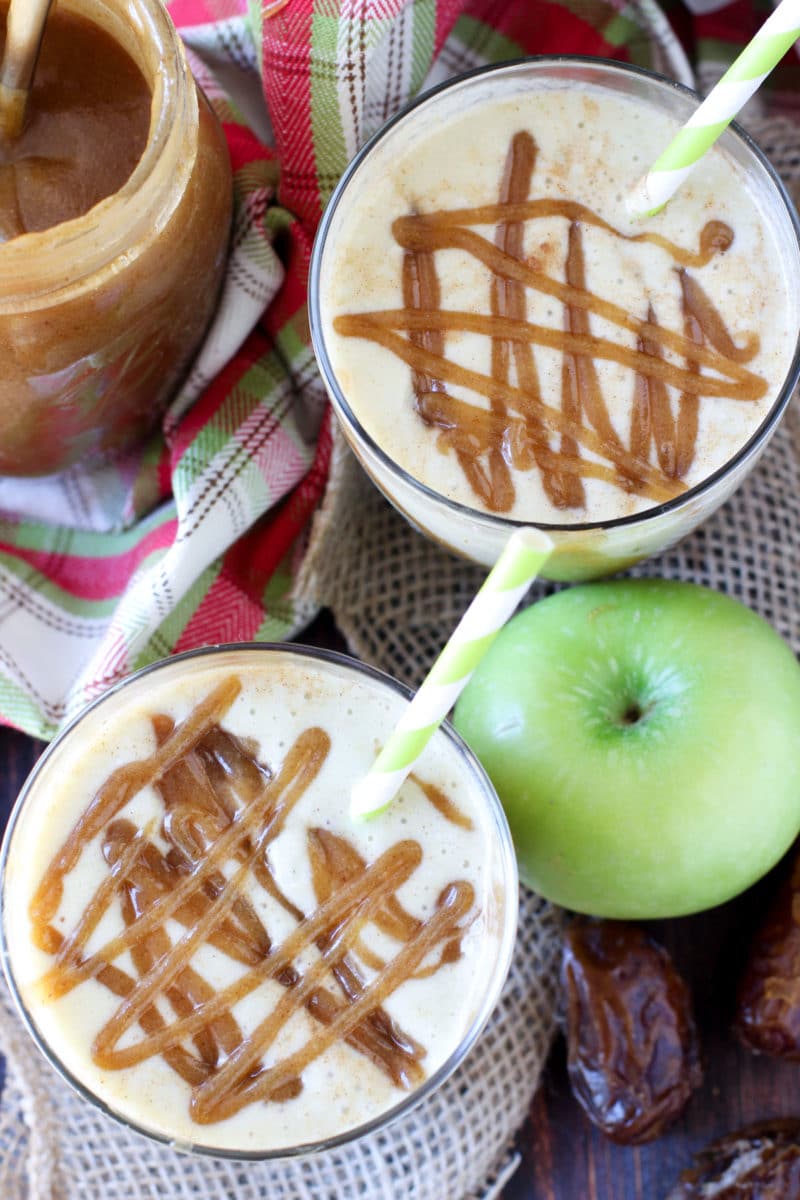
(491, 996)
(353, 426)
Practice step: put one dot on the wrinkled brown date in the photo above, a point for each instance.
(768, 1003)
(761, 1162)
(633, 1057)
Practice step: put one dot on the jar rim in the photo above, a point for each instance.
(37, 265)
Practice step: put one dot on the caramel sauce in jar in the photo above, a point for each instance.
(115, 207)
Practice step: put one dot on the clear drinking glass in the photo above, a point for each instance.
(583, 549)
(360, 687)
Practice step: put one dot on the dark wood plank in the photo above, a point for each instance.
(18, 753)
(565, 1158)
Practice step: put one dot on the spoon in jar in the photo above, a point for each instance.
(24, 29)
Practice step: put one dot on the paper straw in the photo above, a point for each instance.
(504, 587)
(777, 35)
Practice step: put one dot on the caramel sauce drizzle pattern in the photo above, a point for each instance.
(517, 429)
(222, 806)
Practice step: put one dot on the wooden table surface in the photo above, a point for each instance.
(563, 1156)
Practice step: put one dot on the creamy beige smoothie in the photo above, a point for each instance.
(202, 939)
(511, 339)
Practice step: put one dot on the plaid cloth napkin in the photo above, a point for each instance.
(196, 537)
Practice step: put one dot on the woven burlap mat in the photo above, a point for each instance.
(396, 597)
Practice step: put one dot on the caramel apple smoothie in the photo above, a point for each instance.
(496, 327)
(203, 941)
(115, 209)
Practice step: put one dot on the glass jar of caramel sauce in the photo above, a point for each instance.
(115, 212)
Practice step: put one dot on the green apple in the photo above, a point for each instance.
(644, 738)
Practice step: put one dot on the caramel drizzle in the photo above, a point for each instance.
(446, 807)
(222, 808)
(519, 429)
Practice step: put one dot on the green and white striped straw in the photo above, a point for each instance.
(777, 35)
(504, 587)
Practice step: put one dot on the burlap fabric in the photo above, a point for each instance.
(396, 597)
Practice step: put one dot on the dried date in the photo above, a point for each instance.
(761, 1162)
(633, 1057)
(768, 1001)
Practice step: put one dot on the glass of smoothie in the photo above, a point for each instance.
(204, 944)
(503, 344)
(115, 210)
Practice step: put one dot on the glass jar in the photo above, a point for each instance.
(101, 315)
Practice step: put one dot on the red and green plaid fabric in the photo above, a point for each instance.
(196, 537)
